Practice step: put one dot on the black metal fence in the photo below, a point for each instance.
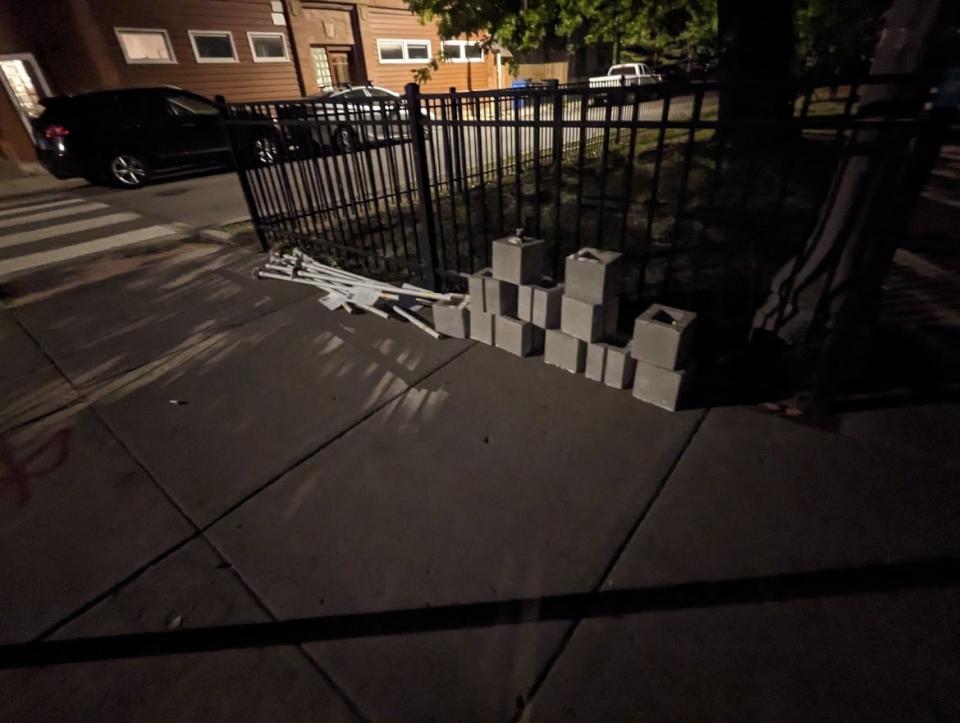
(418, 185)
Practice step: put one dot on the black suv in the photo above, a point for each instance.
(126, 137)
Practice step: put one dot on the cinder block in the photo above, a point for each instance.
(476, 289)
(452, 320)
(611, 315)
(663, 387)
(620, 367)
(525, 302)
(518, 260)
(593, 275)
(520, 338)
(588, 321)
(661, 336)
(546, 306)
(596, 361)
(565, 351)
(500, 297)
(482, 327)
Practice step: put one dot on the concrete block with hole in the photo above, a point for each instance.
(665, 388)
(619, 367)
(593, 275)
(520, 338)
(482, 327)
(518, 260)
(564, 351)
(610, 362)
(452, 320)
(662, 336)
(476, 289)
(500, 297)
(596, 361)
(547, 302)
(540, 303)
(525, 302)
(588, 321)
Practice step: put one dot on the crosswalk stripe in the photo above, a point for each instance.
(12, 210)
(65, 253)
(62, 229)
(55, 213)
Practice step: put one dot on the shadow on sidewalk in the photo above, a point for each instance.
(840, 582)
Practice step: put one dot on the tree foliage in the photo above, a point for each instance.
(830, 36)
(835, 37)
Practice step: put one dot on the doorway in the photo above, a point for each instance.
(332, 66)
(25, 85)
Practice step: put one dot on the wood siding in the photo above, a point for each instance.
(80, 51)
(244, 80)
(399, 23)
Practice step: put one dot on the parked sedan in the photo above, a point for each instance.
(348, 118)
(126, 137)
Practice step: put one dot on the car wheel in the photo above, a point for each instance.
(344, 141)
(266, 151)
(128, 170)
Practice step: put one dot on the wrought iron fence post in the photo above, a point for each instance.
(241, 172)
(554, 86)
(428, 239)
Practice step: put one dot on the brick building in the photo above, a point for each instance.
(241, 49)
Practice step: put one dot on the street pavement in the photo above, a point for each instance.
(184, 447)
(52, 228)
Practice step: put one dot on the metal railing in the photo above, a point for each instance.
(418, 185)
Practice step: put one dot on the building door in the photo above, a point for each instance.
(340, 67)
(25, 84)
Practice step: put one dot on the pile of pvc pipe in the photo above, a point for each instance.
(351, 291)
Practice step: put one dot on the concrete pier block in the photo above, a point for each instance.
(588, 321)
(596, 361)
(620, 367)
(476, 289)
(661, 336)
(610, 362)
(565, 351)
(525, 302)
(593, 275)
(518, 260)
(546, 306)
(452, 320)
(520, 338)
(482, 327)
(500, 297)
(663, 387)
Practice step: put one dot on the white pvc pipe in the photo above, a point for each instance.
(416, 322)
(371, 283)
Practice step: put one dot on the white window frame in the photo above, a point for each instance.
(253, 51)
(194, 34)
(463, 51)
(406, 60)
(146, 61)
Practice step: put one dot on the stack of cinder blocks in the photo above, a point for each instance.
(661, 346)
(588, 318)
(512, 303)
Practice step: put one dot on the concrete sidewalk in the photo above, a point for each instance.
(183, 447)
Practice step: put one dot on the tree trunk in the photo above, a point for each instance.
(833, 286)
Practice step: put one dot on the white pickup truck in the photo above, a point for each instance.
(629, 74)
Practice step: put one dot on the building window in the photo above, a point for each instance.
(462, 51)
(403, 51)
(213, 46)
(268, 47)
(145, 45)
